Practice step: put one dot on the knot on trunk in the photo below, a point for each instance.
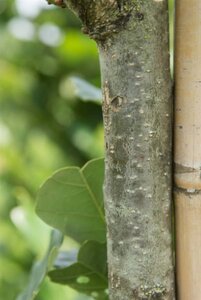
(100, 18)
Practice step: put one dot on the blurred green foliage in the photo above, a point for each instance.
(43, 126)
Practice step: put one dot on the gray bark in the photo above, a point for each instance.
(137, 118)
(132, 37)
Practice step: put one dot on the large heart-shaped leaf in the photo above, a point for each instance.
(40, 268)
(72, 201)
(89, 274)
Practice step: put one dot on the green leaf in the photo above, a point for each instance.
(89, 274)
(80, 278)
(40, 268)
(85, 91)
(91, 254)
(94, 255)
(72, 201)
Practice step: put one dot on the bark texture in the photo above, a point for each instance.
(132, 37)
(137, 119)
(188, 149)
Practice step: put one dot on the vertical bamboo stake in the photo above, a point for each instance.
(188, 148)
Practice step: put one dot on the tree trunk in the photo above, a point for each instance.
(188, 149)
(132, 37)
(137, 119)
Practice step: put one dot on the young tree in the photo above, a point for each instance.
(132, 38)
